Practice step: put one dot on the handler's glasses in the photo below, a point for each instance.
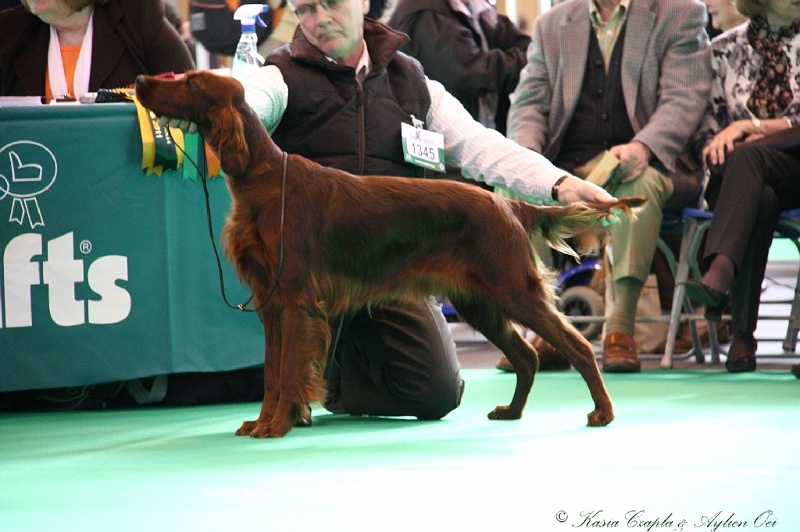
(309, 10)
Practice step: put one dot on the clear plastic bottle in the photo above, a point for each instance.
(247, 59)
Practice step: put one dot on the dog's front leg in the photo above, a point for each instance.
(296, 343)
(304, 341)
(259, 428)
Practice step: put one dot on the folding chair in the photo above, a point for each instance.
(670, 224)
(688, 190)
(696, 223)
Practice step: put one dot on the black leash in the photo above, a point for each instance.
(242, 306)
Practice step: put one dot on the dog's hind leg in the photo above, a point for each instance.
(493, 323)
(547, 322)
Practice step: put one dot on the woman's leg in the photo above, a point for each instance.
(758, 182)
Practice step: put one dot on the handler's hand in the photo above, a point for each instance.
(573, 189)
(185, 125)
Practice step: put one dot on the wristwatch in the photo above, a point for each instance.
(756, 124)
(556, 186)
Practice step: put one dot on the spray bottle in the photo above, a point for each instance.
(246, 59)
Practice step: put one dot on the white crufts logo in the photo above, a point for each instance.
(27, 169)
(60, 272)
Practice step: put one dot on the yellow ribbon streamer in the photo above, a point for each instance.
(155, 137)
(162, 149)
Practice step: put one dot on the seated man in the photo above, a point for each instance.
(626, 78)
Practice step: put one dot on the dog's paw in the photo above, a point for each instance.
(259, 429)
(277, 429)
(504, 412)
(268, 430)
(246, 428)
(304, 417)
(600, 418)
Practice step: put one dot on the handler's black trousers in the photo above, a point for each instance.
(397, 360)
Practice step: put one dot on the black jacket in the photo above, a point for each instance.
(131, 37)
(450, 51)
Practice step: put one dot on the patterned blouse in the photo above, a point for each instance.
(744, 85)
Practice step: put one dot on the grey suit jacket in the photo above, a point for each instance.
(666, 75)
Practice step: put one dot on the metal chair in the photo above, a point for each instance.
(696, 223)
(671, 223)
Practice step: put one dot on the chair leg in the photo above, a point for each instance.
(609, 294)
(674, 323)
(790, 342)
(679, 295)
(713, 342)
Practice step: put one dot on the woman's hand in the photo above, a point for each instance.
(723, 142)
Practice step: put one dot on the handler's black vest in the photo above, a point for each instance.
(600, 119)
(333, 120)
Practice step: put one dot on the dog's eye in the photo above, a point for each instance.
(190, 83)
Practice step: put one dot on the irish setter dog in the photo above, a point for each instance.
(312, 242)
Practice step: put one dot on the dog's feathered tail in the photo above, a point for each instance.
(584, 222)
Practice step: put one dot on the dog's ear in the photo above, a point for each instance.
(228, 140)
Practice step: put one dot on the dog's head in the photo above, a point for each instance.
(215, 103)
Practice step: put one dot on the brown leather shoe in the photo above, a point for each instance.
(619, 354)
(683, 343)
(549, 358)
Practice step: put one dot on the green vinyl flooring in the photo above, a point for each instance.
(696, 449)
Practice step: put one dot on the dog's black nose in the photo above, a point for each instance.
(141, 81)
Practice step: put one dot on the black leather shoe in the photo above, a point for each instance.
(705, 295)
(714, 300)
(741, 365)
(742, 354)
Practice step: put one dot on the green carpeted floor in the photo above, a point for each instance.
(699, 449)
(782, 250)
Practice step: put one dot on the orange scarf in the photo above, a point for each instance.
(69, 57)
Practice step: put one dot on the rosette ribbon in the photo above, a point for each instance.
(164, 148)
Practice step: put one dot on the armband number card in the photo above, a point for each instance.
(422, 147)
